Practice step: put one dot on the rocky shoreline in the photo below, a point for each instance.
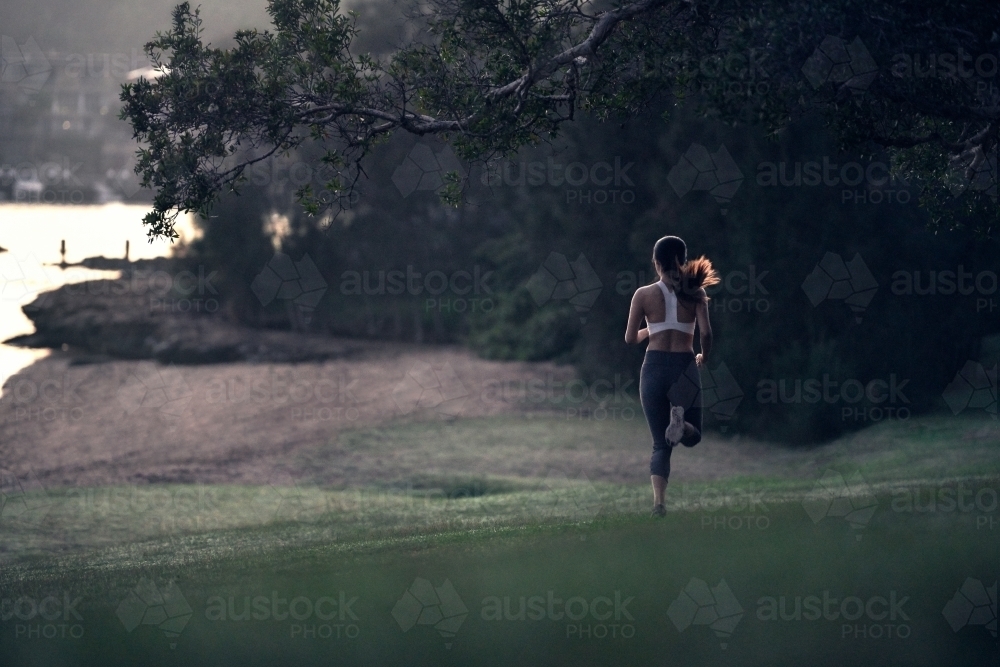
(139, 317)
(142, 389)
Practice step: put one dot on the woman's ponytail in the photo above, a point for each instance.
(697, 274)
(671, 253)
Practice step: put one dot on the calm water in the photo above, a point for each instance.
(32, 234)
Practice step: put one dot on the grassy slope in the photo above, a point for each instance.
(520, 536)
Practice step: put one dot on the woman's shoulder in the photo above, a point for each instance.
(700, 297)
(647, 289)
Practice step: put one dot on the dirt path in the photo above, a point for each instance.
(127, 422)
(124, 422)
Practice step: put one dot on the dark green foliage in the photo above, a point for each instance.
(778, 231)
(234, 243)
(493, 77)
(777, 234)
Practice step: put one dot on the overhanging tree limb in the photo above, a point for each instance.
(497, 75)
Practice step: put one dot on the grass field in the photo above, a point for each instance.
(849, 553)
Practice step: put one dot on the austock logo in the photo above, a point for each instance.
(576, 500)
(50, 615)
(23, 499)
(300, 612)
(284, 499)
(24, 65)
(423, 169)
(982, 286)
(835, 495)
(55, 181)
(437, 606)
(978, 502)
(583, 184)
(559, 279)
(813, 173)
(716, 607)
(859, 617)
(954, 66)
(299, 284)
(837, 280)
(977, 175)
(124, 180)
(835, 61)
(158, 390)
(148, 605)
(724, 508)
(612, 616)
(876, 400)
(423, 387)
(974, 386)
(973, 604)
(720, 394)
(23, 278)
(716, 173)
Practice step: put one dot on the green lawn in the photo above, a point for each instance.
(319, 572)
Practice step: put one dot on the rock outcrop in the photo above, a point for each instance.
(139, 317)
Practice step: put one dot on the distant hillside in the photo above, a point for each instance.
(108, 26)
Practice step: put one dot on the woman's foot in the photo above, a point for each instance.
(676, 429)
(659, 510)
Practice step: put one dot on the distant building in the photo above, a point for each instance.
(59, 125)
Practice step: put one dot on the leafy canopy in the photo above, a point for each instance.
(918, 79)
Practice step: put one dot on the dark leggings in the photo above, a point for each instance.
(669, 378)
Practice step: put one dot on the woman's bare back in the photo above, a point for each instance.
(654, 310)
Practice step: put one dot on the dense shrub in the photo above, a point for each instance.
(769, 239)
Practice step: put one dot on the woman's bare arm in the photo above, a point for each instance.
(636, 312)
(704, 327)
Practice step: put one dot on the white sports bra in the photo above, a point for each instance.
(670, 319)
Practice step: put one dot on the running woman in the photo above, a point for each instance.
(669, 383)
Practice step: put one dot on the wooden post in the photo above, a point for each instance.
(126, 250)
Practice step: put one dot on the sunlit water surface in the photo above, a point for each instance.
(32, 235)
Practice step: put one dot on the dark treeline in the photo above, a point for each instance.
(923, 302)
